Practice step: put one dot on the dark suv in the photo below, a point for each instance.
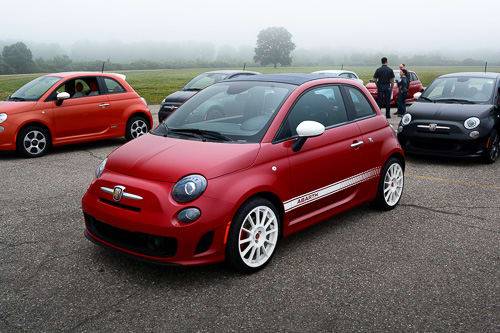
(176, 99)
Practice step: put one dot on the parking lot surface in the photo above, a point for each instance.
(429, 265)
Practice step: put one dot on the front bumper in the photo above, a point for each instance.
(7, 137)
(148, 229)
(450, 139)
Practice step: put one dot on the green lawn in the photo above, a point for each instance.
(154, 85)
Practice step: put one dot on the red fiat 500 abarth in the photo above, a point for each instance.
(64, 108)
(292, 150)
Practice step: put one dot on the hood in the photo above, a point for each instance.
(180, 96)
(9, 107)
(448, 111)
(168, 159)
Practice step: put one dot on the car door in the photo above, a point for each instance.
(79, 115)
(118, 99)
(373, 130)
(322, 169)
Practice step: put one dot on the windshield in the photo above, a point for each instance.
(463, 88)
(236, 111)
(33, 90)
(204, 80)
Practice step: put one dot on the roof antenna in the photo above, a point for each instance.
(342, 68)
(245, 66)
(103, 63)
(485, 67)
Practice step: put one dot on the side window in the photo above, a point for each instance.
(413, 77)
(112, 87)
(362, 108)
(324, 105)
(346, 75)
(78, 88)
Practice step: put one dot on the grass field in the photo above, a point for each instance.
(154, 85)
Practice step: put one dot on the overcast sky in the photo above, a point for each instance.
(418, 25)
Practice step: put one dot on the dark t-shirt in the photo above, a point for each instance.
(383, 74)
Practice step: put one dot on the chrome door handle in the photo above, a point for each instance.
(356, 144)
(103, 105)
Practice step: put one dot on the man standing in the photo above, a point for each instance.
(384, 78)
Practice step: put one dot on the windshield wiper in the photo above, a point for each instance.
(455, 100)
(204, 133)
(19, 99)
(192, 89)
(427, 99)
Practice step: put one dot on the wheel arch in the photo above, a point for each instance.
(140, 113)
(33, 123)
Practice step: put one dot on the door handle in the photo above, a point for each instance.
(103, 105)
(356, 144)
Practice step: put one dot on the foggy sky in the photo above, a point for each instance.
(418, 25)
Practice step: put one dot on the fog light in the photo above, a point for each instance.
(189, 215)
(1, 129)
(400, 129)
(474, 134)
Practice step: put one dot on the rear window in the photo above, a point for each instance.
(112, 86)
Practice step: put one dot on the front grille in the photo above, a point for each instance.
(155, 246)
(455, 147)
(119, 205)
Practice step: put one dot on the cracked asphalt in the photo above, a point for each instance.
(430, 265)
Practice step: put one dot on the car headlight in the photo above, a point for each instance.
(189, 188)
(144, 101)
(100, 168)
(163, 100)
(3, 117)
(406, 119)
(471, 123)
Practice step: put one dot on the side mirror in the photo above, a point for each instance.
(417, 95)
(61, 97)
(307, 129)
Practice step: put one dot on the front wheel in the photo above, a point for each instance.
(253, 236)
(391, 184)
(492, 148)
(136, 127)
(33, 141)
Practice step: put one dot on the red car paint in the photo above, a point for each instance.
(77, 120)
(415, 86)
(150, 166)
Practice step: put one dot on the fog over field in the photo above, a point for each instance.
(127, 30)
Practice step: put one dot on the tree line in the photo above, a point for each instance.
(274, 47)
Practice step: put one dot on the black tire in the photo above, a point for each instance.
(491, 153)
(233, 248)
(33, 141)
(136, 127)
(380, 201)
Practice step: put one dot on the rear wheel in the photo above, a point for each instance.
(492, 148)
(253, 236)
(136, 127)
(33, 141)
(391, 185)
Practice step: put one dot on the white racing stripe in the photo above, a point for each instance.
(312, 196)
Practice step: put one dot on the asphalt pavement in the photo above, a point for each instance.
(430, 265)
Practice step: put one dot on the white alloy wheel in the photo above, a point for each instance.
(138, 128)
(393, 184)
(34, 142)
(258, 236)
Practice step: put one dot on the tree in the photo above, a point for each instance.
(274, 46)
(18, 57)
(4, 68)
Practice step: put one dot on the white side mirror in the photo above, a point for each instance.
(62, 96)
(417, 95)
(309, 128)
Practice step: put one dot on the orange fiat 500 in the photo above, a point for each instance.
(65, 108)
